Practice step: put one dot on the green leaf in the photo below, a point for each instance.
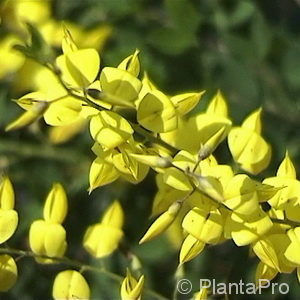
(171, 41)
(242, 13)
(184, 16)
(291, 67)
(261, 35)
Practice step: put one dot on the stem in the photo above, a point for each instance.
(77, 264)
(152, 138)
(136, 127)
(286, 222)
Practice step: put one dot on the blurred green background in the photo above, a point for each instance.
(250, 50)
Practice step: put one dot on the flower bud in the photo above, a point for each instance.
(131, 289)
(7, 196)
(8, 224)
(28, 117)
(202, 294)
(8, 272)
(162, 222)
(56, 206)
(47, 239)
(153, 161)
(70, 284)
(190, 248)
(131, 64)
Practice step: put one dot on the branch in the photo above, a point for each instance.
(79, 265)
(136, 127)
(286, 222)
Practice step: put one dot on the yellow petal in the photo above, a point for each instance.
(161, 223)
(110, 129)
(126, 164)
(8, 224)
(292, 252)
(56, 205)
(184, 103)
(253, 121)
(286, 168)
(202, 294)
(55, 240)
(79, 68)
(154, 161)
(247, 228)
(68, 44)
(218, 106)
(212, 143)
(119, 84)
(249, 149)
(177, 179)
(131, 64)
(165, 197)
(240, 195)
(11, 60)
(131, 289)
(157, 113)
(28, 117)
(113, 215)
(192, 133)
(190, 248)
(264, 250)
(37, 233)
(63, 112)
(206, 226)
(288, 191)
(101, 173)
(70, 284)
(8, 272)
(263, 273)
(63, 134)
(7, 195)
(185, 160)
(210, 187)
(142, 172)
(101, 240)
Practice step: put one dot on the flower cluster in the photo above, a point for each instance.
(137, 127)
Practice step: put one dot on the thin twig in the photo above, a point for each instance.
(76, 264)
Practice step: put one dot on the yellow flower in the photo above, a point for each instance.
(8, 272)
(56, 205)
(8, 216)
(202, 130)
(131, 289)
(206, 226)
(48, 236)
(202, 294)
(287, 197)
(246, 229)
(190, 248)
(11, 60)
(264, 272)
(248, 147)
(110, 129)
(156, 112)
(70, 284)
(103, 238)
(162, 222)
